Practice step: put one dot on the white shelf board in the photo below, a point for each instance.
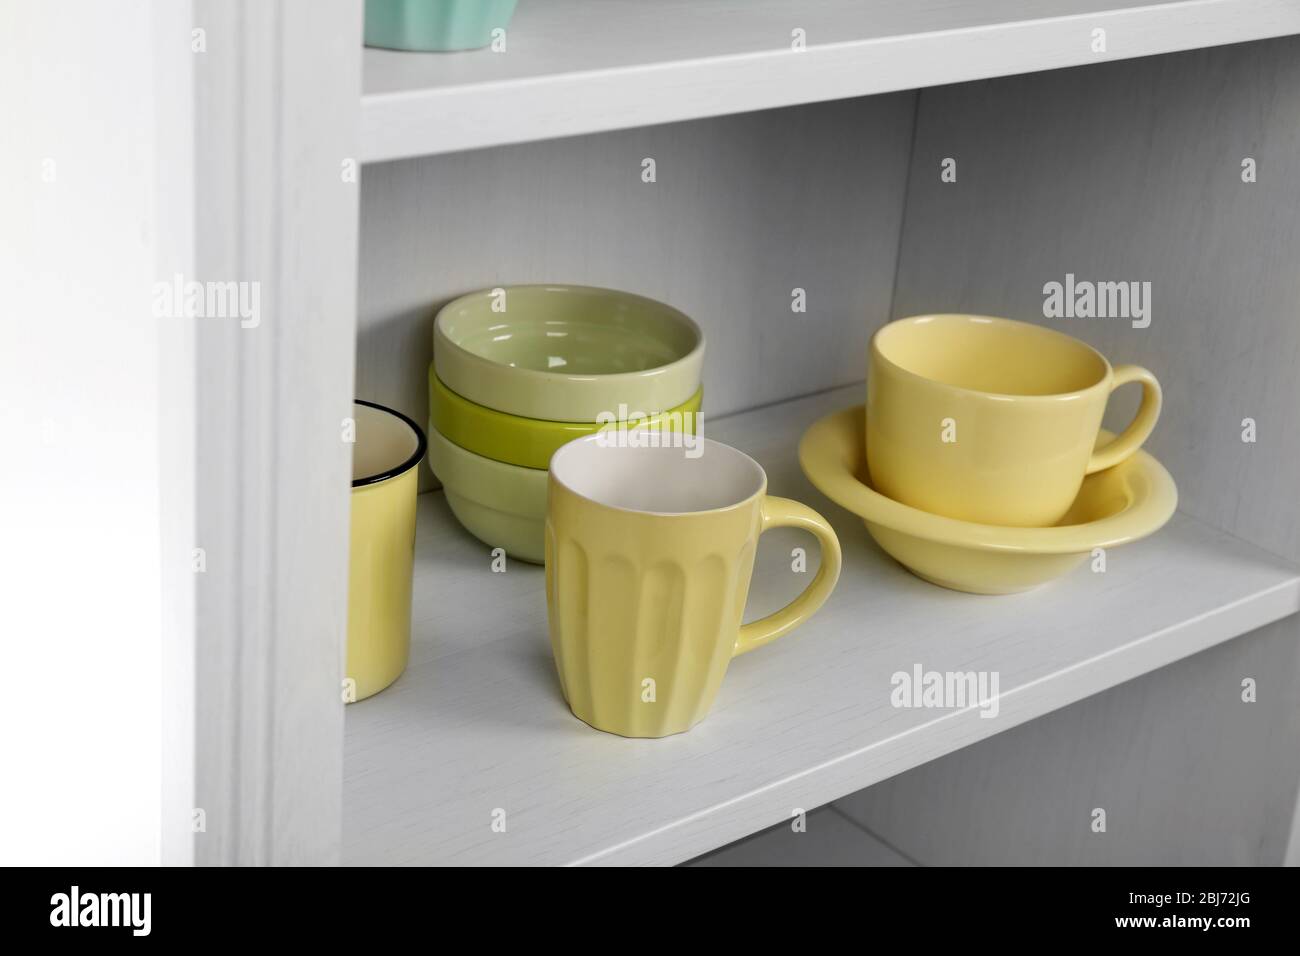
(477, 722)
(581, 66)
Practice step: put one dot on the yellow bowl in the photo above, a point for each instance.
(385, 479)
(530, 442)
(1115, 506)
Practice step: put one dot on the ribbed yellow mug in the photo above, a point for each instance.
(991, 420)
(388, 447)
(649, 553)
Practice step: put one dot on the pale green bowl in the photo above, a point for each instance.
(567, 353)
(435, 25)
(502, 505)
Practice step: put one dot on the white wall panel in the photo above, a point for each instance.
(1133, 171)
(744, 209)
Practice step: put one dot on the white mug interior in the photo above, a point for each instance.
(658, 480)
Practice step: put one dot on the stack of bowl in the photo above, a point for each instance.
(519, 371)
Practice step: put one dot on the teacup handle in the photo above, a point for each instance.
(1125, 444)
(784, 513)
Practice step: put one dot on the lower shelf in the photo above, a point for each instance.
(828, 838)
(477, 725)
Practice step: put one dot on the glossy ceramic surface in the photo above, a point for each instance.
(385, 480)
(1113, 507)
(648, 561)
(435, 24)
(567, 353)
(990, 420)
(528, 442)
(504, 506)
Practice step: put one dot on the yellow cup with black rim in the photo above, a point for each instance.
(387, 450)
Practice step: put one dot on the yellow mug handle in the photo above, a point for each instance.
(1139, 430)
(784, 513)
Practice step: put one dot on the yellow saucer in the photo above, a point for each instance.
(1115, 506)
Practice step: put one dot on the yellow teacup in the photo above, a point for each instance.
(991, 420)
(649, 553)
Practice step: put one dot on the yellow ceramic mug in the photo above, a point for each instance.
(385, 480)
(648, 558)
(990, 420)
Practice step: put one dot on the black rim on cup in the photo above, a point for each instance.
(409, 463)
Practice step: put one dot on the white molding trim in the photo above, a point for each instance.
(277, 110)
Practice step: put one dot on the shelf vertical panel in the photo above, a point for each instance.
(1136, 172)
(277, 92)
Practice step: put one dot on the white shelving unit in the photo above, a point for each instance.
(360, 189)
(574, 66)
(477, 722)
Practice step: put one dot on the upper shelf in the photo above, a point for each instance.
(477, 723)
(577, 66)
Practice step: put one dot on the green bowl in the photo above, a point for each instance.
(504, 506)
(530, 442)
(567, 353)
(435, 25)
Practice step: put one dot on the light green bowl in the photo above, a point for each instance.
(435, 25)
(567, 353)
(504, 506)
(530, 442)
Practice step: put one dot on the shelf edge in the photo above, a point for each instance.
(838, 778)
(432, 121)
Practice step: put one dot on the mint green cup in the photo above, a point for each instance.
(435, 25)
